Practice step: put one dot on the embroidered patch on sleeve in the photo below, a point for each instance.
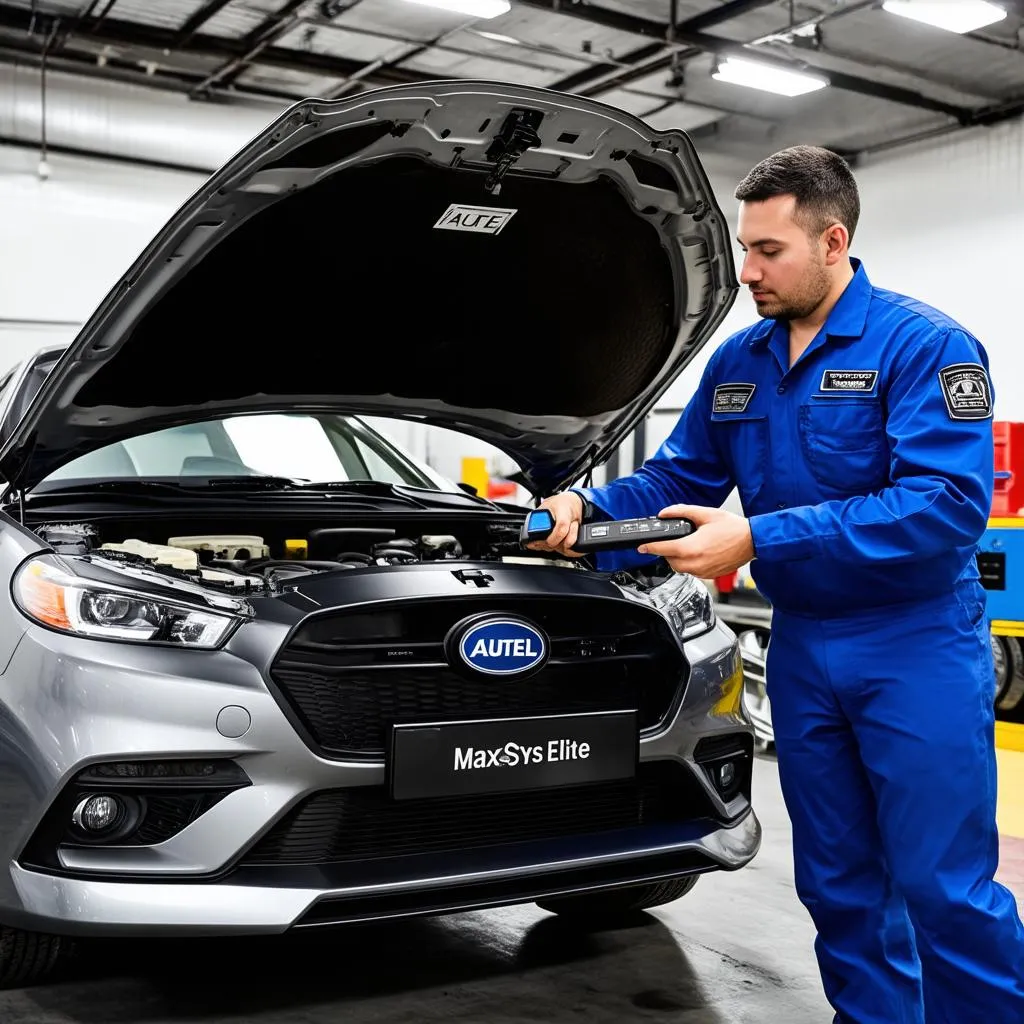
(966, 389)
(848, 380)
(732, 397)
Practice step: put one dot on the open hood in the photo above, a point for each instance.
(530, 267)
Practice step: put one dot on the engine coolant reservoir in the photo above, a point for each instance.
(159, 554)
(232, 546)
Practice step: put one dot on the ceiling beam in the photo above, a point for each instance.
(986, 117)
(643, 26)
(724, 12)
(460, 51)
(198, 19)
(697, 42)
(646, 59)
(572, 82)
(268, 31)
(608, 18)
(838, 79)
(115, 69)
(129, 34)
(866, 60)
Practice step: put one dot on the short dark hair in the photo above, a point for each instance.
(821, 182)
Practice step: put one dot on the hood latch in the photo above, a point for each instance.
(517, 135)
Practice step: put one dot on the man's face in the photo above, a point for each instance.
(783, 266)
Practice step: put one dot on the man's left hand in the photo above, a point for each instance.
(720, 544)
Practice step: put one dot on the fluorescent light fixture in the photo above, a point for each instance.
(767, 77)
(953, 15)
(471, 8)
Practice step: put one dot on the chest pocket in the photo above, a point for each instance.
(844, 443)
(742, 439)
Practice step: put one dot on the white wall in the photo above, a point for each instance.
(942, 222)
(65, 241)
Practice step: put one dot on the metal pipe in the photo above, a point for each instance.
(115, 70)
(102, 118)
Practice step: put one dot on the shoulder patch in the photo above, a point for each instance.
(965, 387)
(733, 397)
(848, 380)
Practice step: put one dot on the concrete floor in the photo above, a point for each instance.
(736, 950)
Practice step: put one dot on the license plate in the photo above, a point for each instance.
(495, 755)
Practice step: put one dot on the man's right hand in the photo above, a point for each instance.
(567, 509)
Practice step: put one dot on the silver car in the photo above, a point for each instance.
(261, 670)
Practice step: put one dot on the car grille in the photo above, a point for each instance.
(364, 823)
(347, 677)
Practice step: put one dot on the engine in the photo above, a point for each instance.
(247, 562)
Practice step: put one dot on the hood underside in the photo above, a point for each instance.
(528, 267)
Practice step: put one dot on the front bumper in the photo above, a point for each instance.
(70, 703)
(92, 907)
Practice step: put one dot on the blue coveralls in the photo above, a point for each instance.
(866, 472)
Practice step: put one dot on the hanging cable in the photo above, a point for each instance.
(44, 166)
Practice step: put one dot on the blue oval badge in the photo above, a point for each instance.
(503, 647)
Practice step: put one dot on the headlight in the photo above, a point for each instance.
(50, 595)
(687, 603)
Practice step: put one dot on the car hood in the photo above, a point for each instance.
(529, 267)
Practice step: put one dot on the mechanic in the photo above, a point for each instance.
(855, 424)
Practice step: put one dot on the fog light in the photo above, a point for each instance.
(726, 775)
(98, 814)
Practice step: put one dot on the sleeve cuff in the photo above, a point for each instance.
(591, 510)
(783, 537)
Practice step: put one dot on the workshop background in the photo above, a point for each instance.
(138, 99)
(112, 112)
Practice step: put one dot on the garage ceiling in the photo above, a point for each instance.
(891, 80)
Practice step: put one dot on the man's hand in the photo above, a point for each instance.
(567, 509)
(719, 546)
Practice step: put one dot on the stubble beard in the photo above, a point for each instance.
(802, 303)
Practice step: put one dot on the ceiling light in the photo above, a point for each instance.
(755, 75)
(953, 15)
(471, 8)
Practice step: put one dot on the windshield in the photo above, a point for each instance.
(318, 448)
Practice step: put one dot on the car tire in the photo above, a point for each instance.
(27, 957)
(1009, 662)
(618, 903)
(1001, 663)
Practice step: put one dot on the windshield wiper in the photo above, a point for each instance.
(241, 483)
(428, 497)
(372, 493)
(92, 486)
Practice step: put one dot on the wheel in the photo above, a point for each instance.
(617, 903)
(1009, 681)
(26, 957)
(1001, 660)
(754, 651)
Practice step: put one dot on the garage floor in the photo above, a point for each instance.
(737, 950)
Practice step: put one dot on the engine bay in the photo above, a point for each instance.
(258, 561)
